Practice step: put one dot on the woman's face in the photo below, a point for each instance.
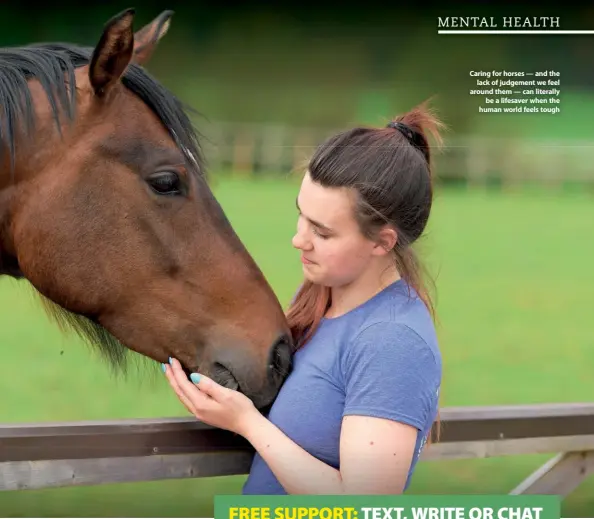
(333, 250)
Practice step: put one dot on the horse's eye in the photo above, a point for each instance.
(165, 183)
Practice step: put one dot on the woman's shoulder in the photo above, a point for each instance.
(399, 324)
(395, 335)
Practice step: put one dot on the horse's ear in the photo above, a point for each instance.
(147, 38)
(113, 52)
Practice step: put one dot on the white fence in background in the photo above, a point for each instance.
(254, 149)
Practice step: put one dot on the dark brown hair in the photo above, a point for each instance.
(390, 169)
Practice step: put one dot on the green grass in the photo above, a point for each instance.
(513, 301)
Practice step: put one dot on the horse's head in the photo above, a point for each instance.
(109, 216)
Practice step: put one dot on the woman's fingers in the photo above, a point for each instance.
(195, 400)
(171, 378)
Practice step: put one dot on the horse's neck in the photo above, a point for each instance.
(8, 262)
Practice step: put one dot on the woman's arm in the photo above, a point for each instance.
(391, 388)
(391, 379)
(375, 453)
(375, 456)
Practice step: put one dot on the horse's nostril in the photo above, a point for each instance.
(280, 360)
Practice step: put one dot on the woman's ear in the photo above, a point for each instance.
(386, 241)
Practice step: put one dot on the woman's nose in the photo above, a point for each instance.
(297, 241)
(300, 241)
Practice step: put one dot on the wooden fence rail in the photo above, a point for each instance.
(44, 455)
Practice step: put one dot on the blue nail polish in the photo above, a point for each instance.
(170, 361)
(163, 367)
(194, 377)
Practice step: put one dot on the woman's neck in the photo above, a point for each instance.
(371, 282)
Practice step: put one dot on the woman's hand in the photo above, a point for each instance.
(210, 402)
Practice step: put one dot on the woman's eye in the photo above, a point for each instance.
(319, 234)
(165, 183)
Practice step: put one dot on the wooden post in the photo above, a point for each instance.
(561, 475)
(243, 151)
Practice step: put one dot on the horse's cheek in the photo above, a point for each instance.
(47, 252)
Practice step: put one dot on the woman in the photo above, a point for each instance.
(359, 405)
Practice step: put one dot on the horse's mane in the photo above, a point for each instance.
(53, 66)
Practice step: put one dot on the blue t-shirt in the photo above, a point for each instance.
(380, 359)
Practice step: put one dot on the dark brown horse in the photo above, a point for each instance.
(105, 210)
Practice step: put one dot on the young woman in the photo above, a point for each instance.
(360, 403)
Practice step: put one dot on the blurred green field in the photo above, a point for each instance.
(514, 307)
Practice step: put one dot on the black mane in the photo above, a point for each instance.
(53, 65)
